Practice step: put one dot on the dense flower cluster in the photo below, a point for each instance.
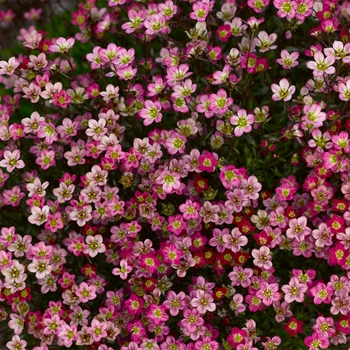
(176, 175)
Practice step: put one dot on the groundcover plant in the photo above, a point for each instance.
(175, 174)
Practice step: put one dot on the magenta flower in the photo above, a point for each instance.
(316, 341)
(236, 337)
(157, 314)
(207, 162)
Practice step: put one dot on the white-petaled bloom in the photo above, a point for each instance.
(265, 41)
(321, 64)
(39, 215)
(62, 45)
(339, 51)
(344, 91)
(283, 91)
(8, 67)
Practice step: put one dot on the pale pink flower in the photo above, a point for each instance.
(11, 160)
(62, 45)
(283, 91)
(9, 67)
(298, 229)
(39, 215)
(294, 291)
(265, 41)
(123, 271)
(16, 343)
(81, 214)
(262, 257)
(203, 302)
(288, 60)
(321, 64)
(86, 292)
(243, 122)
(344, 90)
(94, 245)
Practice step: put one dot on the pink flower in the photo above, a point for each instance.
(258, 5)
(321, 64)
(11, 160)
(136, 20)
(262, 257)
(288, 60)
(67, 334)
(151, 112)
(169, 181)
(61, 99)
(94, 245)
(62, 45)
(321, 293)
(265, 41)
(268, 293)
(298, 229)
(16, 343)
(203, 302)
(175, 302)
(39, 215)
(123, 271)
(8, 67)
(303, 9)
(219, 102)
(243, 121)
(294, 291)
(200, 11)
(344, 90)
(286, 8)
(282, 91)
(85, 292)
(191, 320)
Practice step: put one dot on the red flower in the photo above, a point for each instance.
(241, 258)
(340, 205)
(291, 213)
(209, 256)
(245, 226)
(262, 238)
(219, 293)
(200, 183)
(294, 326)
